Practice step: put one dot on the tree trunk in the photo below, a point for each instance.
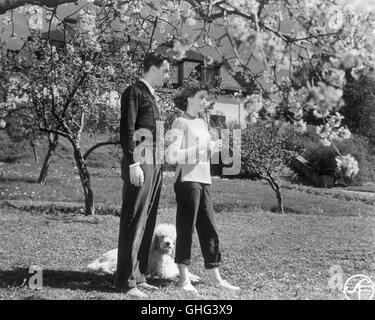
(53, 140)
(275, 187)
(33, 146)
(85, 180)
(280, 199)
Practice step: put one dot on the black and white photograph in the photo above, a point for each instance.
(203, 152)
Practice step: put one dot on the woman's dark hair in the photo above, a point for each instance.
(153, 59)
(188, 90)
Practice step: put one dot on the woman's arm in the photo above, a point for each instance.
(174, 153)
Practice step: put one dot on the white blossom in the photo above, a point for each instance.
(35, 18)
(300, 125)
(348, 164)
(191, 21)
(87, 67)
(249, 6)
(110, 70)
(87, 20)
(357, 72)
(180, 49)
(114, 99)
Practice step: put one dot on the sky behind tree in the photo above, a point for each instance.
(360, 4)
(21, 30)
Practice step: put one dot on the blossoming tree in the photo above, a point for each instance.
(75, 87)
(261, 43)
(265, 153)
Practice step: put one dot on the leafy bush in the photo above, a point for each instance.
(298, 142)
(323, 159)
(359, 110)
(264, 153)
(12, 152)
(359, 147)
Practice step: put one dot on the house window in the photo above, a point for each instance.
(211, 74)
(208, 73)
(176, 74)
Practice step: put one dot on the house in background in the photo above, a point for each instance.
(225, 104)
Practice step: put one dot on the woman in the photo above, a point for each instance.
(191, 149)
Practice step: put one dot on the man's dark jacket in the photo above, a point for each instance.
(138, 110)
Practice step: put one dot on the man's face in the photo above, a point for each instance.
(161, 74)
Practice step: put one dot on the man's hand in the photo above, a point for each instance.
(136, 175)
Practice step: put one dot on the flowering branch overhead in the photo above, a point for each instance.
(289, 57)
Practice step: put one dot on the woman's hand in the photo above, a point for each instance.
(216, 146)
(214, 134)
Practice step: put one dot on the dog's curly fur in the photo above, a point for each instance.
(161, 257)
(107, 263)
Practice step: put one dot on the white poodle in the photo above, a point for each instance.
(161, 257)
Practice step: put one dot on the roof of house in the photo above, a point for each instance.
(58, 35)
(227, 83)
(191, 55)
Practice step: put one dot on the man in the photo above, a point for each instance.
(142, 181)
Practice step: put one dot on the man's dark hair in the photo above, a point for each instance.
(153, 59)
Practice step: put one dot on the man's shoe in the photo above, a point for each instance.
(146, 286)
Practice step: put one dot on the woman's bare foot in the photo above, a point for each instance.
(224, 285)
(217, 281)
(187, 286)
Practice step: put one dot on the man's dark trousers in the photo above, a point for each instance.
(137, 223)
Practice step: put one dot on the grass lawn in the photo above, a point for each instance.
(269, 255)
(17, 182)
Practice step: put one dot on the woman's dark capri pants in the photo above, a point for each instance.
(195, 208)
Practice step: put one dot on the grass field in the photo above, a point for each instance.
(269, 255)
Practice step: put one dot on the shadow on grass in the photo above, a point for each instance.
(287, 210)
(18, 179)
(63, 279)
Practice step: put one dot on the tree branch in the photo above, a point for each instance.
(55, 131)
(98, 145)
(6, 5)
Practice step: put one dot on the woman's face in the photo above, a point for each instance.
(199, 101)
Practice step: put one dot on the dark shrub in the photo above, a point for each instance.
(323, 159)
(359, 148)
